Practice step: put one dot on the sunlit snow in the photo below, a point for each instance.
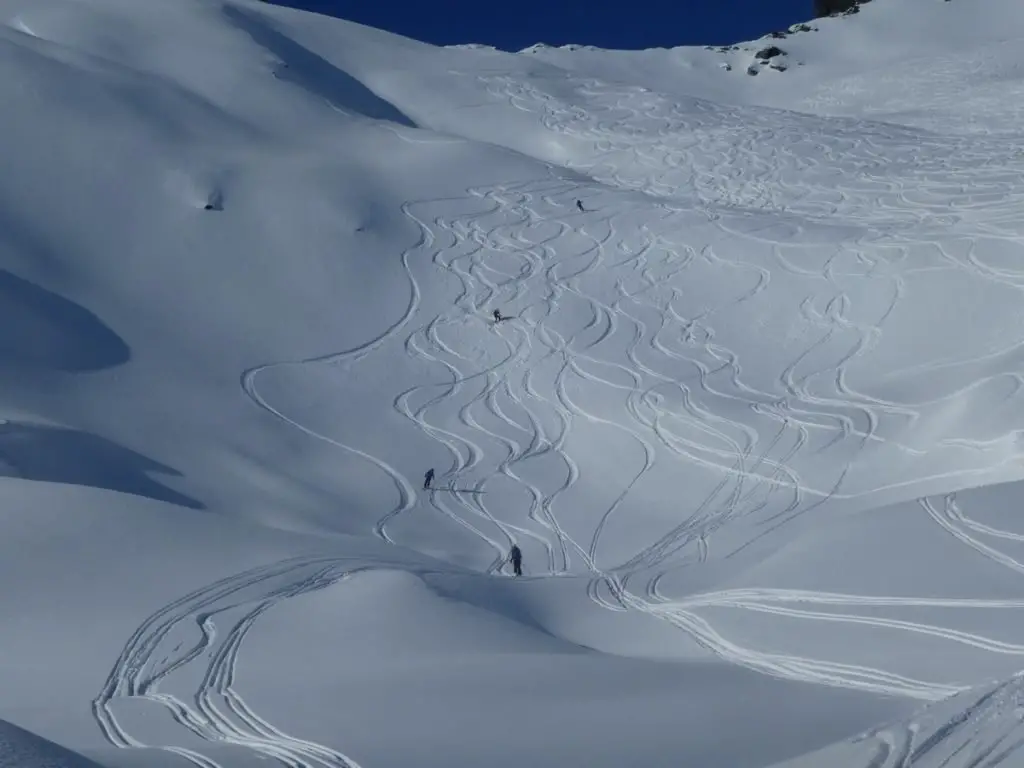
(754, 417)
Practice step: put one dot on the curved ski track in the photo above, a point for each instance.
(184, 632)
(514, 422)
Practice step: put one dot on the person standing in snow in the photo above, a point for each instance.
(428, 478)
(497, 316)
(516, 555)
(579, 204)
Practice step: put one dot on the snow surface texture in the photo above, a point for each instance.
(19, 748)
(754, 417)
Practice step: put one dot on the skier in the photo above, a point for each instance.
(428, 478)
(579, 204)
(497, 316)
(516, 555)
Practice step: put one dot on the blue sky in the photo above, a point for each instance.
(604, 23)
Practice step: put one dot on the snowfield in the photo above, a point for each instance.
(754, 417)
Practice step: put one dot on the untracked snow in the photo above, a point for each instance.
(754, 417)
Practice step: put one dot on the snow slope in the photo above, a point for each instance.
(754, 418)
(19, 748)
(980, 727)
(951, 65)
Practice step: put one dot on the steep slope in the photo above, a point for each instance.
(250, 261)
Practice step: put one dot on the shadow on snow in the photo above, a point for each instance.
(314, 73)
(58, 455)
(40, 328)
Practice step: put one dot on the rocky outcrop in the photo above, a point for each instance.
(770, 52)
(836, 7)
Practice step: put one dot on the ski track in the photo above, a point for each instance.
(686, 401)
(185, 632)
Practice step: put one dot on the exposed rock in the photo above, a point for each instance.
(769, 53)
(836, 7)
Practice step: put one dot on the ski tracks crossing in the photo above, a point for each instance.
(510, 417)
(185, 633)
(817, 397)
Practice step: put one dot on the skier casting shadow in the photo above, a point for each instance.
(516, 556)
(428, 479)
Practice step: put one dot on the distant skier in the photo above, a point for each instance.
(516, 555)
(497, 316)
(579, 204)
(428, 478)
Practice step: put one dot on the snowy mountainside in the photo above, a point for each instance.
(753, 417)
(944, 64)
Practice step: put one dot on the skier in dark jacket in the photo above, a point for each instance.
(579, 204)
(428, 478)
(516, 555)
(497, 316)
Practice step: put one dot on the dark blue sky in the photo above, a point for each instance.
(604, 23)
